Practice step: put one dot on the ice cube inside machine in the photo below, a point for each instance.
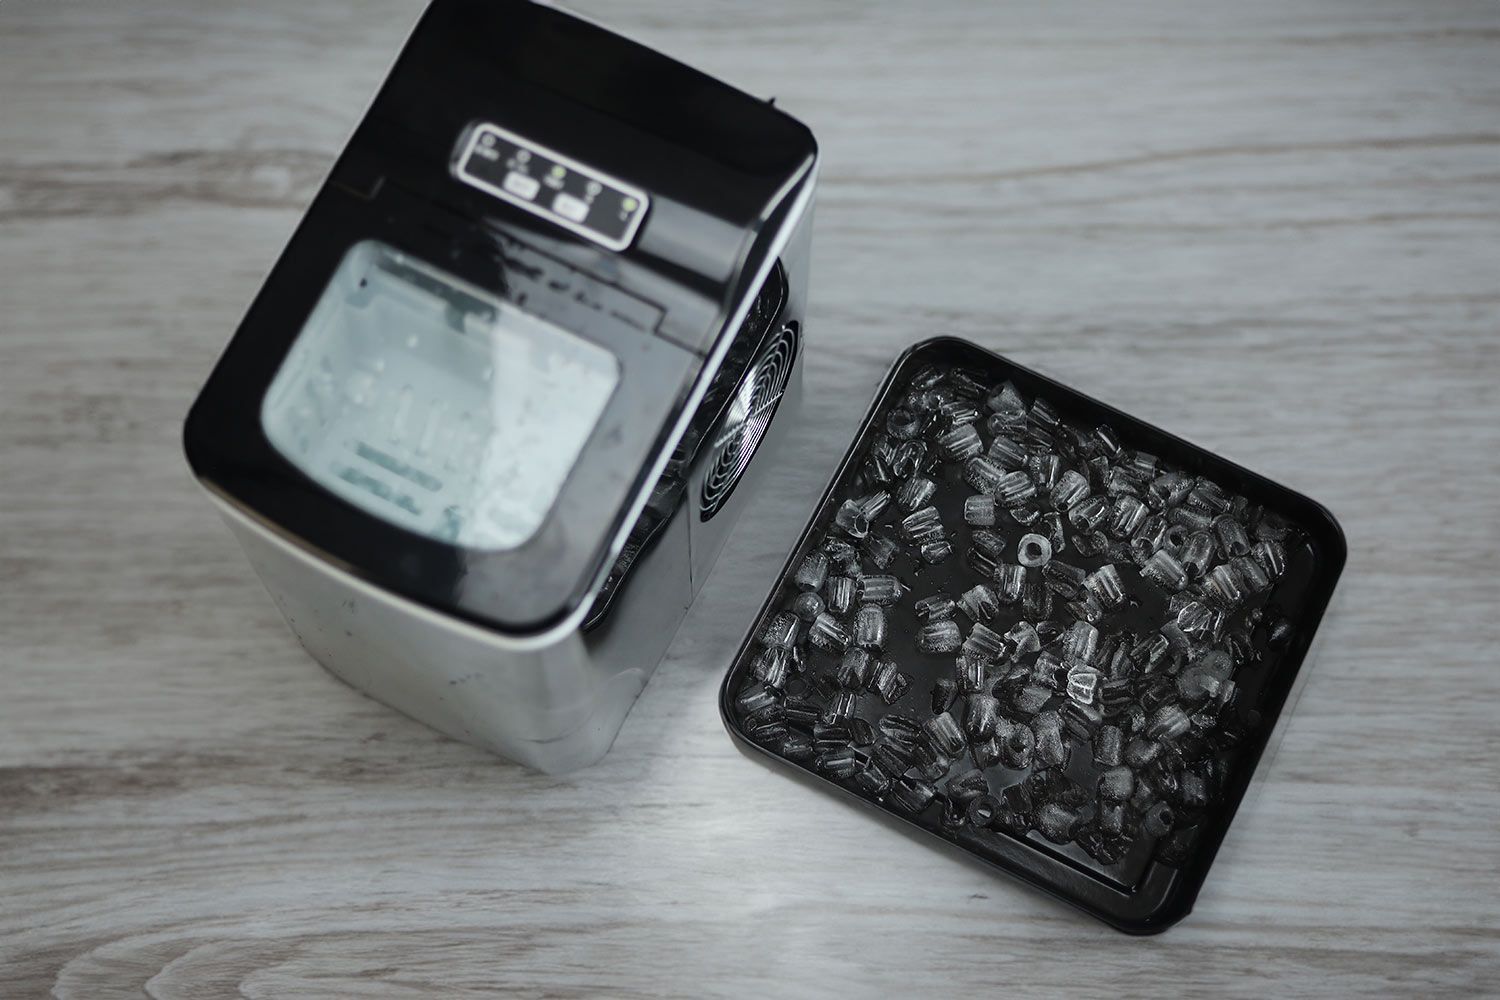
(485, 428)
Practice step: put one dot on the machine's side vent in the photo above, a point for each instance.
(744, 423)
(756, 356)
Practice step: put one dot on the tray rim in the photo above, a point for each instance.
(1164, 894)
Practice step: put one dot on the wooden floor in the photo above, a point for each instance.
(1273, 227)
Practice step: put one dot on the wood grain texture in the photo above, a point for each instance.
(1273, 227)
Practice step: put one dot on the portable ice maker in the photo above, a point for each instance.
(487, 425)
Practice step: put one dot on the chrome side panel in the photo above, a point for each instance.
(554, 704)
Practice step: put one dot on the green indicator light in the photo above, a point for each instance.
(559, 170)
(630, 204)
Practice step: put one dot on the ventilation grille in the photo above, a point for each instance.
(747, 361)
(748, 417)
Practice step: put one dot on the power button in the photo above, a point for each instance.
(570, 208)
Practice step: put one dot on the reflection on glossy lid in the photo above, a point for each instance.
(435, 405)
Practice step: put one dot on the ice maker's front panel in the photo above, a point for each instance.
(573, 195)
(433, 404)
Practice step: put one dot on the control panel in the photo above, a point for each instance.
(564, 191)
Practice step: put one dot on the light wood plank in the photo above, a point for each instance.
(1271, 227)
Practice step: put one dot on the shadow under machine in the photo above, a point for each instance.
(486, 427)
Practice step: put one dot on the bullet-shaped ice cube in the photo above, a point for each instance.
(1128, 515)
(1170, 489)
(1021, 639)
(812, 572)
(1045, 468)
(797, 745)
(772, 668)
(1009, 581)
(807, 606)
(970, 671)
(943, 734)
(1251, 574)
(852, 519)
(840, 707)
(979, 603)
(871, 781)
(939, 636)
(1007, 404)
(1081, 642)
(1014, 489)
(961, 443)
(910, 795)
(1089, 514)
(1016, 747)
(1167, 723)
(1140, 752)
(880, 589)
(1070, 489)
(855, 667)
(870, 627)
(1272, 557)
(900, 730)
(981, 714)
(979, 510)
(983, 474)
(842, 763)
(1233, 541)
(875, 504)
(908, 458)
(1056, 822)
(984, 643)
(968, 785)
(780, 632)
(1064, 579)
(879, 549)
(1044, 415)
(958, 411)
(890, 682)
(1197, 554)
(1108, 745)
(1007, 453)
(1158, 821)
(1165, 571)
(1033, 551)
(934, 607)
(841, 591)
(1116, 784)
(903, 424)
(1030, 698)
(1107, 587)
(826, 633)
(1224, 585)
(982, 811)
(1052, 750)
(944, 690)
(935, 551)
(915, 493)
(801, 712)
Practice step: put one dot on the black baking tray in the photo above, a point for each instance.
(1140, 894)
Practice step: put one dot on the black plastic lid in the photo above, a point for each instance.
(719, 167)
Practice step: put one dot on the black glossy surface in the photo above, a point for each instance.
(718, 165)
(1140, 893)
(670, 491)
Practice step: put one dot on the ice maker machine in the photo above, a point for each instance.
(487, 424)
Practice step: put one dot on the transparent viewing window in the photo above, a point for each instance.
(434, 405)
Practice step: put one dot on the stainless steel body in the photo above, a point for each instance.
(556, 700)
(488, 423)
